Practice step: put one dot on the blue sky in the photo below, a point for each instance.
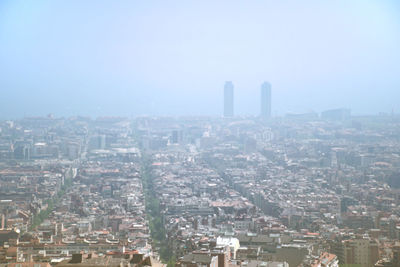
(172, 57)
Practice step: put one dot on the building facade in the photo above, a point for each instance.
(266, 100)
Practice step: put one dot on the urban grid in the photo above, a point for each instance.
(309, 190)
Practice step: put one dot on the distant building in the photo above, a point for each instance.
(339, 114)
(176, 136)
(115, 259)
(228, 99)
(200, 259)
(258, 263)
(73, 150)
(364, 252)
(232, 242)
(302, 116)
(97, 142)
(40, 150)
(22, 150)
(6, 235)
(266, 100)
(326, 260)
(394, 261)
(396, 254)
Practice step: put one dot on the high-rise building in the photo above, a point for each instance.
(361, 251)
(266, 100)
(228, 99)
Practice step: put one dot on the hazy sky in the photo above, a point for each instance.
(173, 57)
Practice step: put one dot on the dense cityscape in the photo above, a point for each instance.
(304, 190)
(199, 133)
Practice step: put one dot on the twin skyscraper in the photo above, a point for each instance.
(265, 100)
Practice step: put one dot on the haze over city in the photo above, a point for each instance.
(200, 133)
(129, 58)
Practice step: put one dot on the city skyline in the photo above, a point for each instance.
(200, 133)
(187, 191)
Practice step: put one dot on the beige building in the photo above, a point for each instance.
(361, 251)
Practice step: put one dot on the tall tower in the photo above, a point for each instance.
(228, 99)
(266, 100)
